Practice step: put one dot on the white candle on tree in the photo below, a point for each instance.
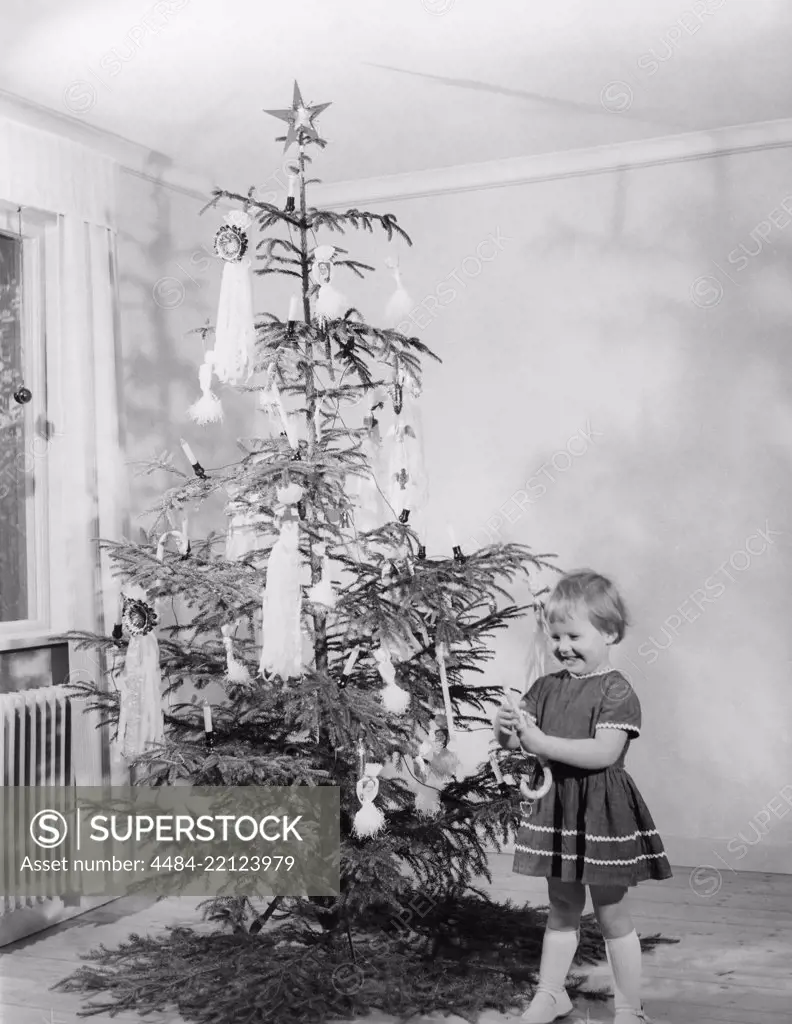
(294, 309)
(207, 713)
(189, 454)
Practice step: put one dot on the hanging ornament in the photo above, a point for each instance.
(434, 767)
(330, 304)
(407, 471)
(235, 334)
(140, 721)
(536, 785)
(22, 395)
(208, 408)
(369, 820)
(281, 652)
(394, 697)
(322, 592)
(400, 305)
(279, 419)
(235, 670)
(371, 510)
(300, 119)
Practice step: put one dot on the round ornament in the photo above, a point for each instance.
(22, 395)
(139, 618)
(230, 243)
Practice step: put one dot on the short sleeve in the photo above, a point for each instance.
(619, 706)
(530, 701)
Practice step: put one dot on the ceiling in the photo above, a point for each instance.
(414, 84)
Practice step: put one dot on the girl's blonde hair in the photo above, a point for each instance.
(603, 602)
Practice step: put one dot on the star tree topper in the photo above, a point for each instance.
(299, 118)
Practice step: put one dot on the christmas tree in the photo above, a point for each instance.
(367, 677)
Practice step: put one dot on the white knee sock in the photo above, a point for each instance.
(624, 957)
(558, 950)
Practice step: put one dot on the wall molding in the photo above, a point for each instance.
(158, 168)
(655, 152)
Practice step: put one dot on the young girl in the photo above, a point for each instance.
(592, 828)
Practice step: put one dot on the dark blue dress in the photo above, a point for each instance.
(592, 826)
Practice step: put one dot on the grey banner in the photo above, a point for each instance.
(241, 841)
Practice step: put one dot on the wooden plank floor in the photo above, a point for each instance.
(733, 964)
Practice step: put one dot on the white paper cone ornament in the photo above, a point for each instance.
(140, 721)
(235, 334)
(369, 820)
(330, 304)
(281, 652)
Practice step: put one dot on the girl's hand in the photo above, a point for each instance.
(532, 739)
(507, 719)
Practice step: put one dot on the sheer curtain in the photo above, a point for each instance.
(71, 190)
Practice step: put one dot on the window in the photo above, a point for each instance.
(24, 439)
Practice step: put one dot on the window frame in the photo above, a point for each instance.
(34, 223)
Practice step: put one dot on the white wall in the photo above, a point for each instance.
(588, 345)
(605, 374)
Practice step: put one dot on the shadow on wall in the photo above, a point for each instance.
(670, 331)
(169, 284)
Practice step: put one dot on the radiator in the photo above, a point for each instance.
(37, 738)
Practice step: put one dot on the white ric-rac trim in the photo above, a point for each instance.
(590, 838)
(618, 725)
(590, 860)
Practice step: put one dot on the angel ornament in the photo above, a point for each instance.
(369, 820)
(330, 303)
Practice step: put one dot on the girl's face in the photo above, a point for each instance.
(577, 644)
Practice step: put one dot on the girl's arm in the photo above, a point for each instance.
(601, 752)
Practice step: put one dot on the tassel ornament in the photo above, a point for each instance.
(282, 646)
(235, 334)
(369, 820)
(141, 724)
